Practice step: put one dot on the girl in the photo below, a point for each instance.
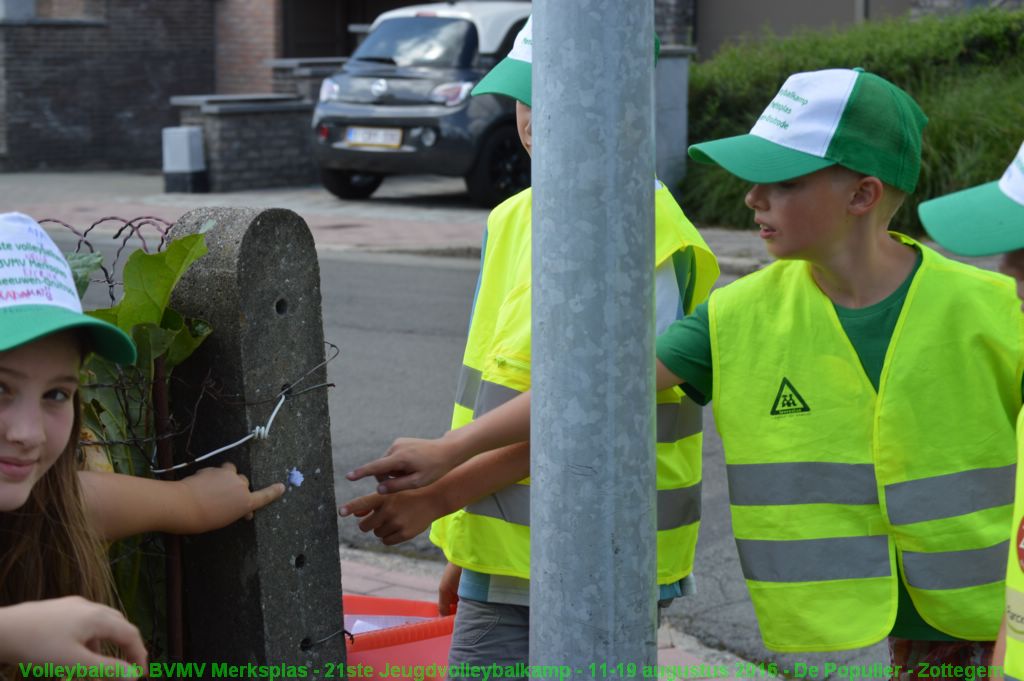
(55, 584)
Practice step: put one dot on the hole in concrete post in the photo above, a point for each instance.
(281, 306)
(300, 561)
(305, 644)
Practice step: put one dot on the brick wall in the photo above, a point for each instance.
(254, 149)
(248, 33)
(673, 21)
(79, 93)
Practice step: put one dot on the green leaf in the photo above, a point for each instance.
(151, 341)
(107, 314)
(149, 279)
(82, 267)
(189, 334)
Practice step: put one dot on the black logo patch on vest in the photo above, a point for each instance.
(788, 400)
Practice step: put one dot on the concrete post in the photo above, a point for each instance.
(266, 591)
(672, 94)
(592, 503)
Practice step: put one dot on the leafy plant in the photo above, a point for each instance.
(117, 405)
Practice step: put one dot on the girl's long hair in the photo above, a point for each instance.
(48, 547)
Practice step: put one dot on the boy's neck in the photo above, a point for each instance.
(866, 272)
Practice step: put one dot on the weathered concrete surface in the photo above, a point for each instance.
(265, 591)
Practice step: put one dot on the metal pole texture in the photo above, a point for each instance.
(592, 504)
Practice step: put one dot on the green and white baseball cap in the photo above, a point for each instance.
(982, 220)
(38, 295)
(845, 117)
(512, 75)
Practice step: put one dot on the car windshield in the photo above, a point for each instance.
(421, 41)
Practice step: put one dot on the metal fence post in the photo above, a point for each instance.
(593, 479)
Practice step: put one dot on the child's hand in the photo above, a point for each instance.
(396, 518)
(68, 631)
(448, 589)
(409, 463)
(220, 496)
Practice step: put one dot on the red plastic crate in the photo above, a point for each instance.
(417, 645)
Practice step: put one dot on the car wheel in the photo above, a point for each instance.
(349, 185)
(501, 169)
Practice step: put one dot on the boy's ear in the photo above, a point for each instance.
(867, 195)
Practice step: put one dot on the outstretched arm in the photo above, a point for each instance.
(396, 518)
(411, 463)
(124, 505)
(68, 631)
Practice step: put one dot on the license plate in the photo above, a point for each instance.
(374, 137)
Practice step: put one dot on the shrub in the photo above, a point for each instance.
(966, 72)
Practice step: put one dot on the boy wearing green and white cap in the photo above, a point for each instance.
(861, 486)
(489, 538)
(868, 473)
(986, 220)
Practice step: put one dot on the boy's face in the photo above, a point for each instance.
(1012, 264)
(38, 382)
(804, 218)
(523, 115)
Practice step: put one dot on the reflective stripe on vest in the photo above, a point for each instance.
(675, 420)
(814, 560)
(966, 492)
(831, 480)
(955, 569)
(676, 507)
(494, 537)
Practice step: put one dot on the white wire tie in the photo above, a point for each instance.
(258, 433)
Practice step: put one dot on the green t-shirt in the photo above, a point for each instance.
(686, 350)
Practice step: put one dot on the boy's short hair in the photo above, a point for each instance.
(845, 117)
(982, 220)
(512, 76)
(38, 295)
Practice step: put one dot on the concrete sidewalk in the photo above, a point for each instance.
(420, 214)
(413, 214)
(389, 575)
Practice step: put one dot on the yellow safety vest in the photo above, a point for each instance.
(1014, 663)
(493, 535)
(830, 482)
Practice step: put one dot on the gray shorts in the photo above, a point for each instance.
(486, 634)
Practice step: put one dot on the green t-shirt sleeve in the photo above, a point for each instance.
(685, 348)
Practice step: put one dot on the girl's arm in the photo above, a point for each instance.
(124, 505)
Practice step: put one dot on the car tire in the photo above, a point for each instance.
(348, 185)
(502, 168)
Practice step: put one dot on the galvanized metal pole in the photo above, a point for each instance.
(592, 506)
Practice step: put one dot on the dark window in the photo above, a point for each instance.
(421, 41)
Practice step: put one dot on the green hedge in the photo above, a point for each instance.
(966, 72)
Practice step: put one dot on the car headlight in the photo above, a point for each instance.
(329, 90)
(451, 94)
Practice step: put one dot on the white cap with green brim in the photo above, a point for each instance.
(512, 75)
(982, 220)
(845, 117)
(38, 295)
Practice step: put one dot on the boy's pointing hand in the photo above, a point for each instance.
(409, 463)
